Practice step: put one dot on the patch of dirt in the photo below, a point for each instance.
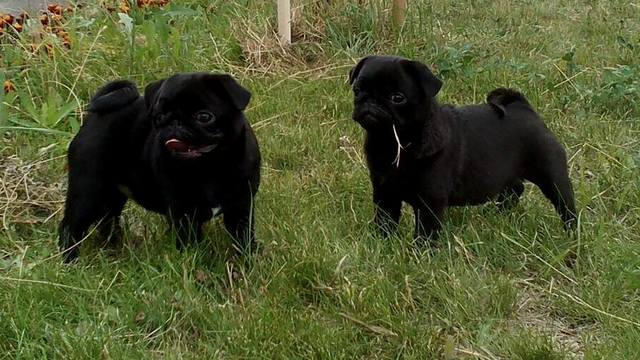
(533, 314)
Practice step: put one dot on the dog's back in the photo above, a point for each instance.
(518, 119)
(504, 140)
(506, 113)
(500, 99)
(115, 106)
(113, 96)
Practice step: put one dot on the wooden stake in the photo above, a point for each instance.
(399, 12)
(284, 21)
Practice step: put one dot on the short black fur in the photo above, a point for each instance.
(450, 156)
(182, 150)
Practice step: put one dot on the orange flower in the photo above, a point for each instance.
(124, 7)
(9, 87)
(44, 20)
(56, 18)
(18, 27)
(55, 9)
(64, 36)
(6, 19)
(148, 3)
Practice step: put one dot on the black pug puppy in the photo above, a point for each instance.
(433, 156)
(185, 150)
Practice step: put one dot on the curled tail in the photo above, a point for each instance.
(113, 96)
(500, 98)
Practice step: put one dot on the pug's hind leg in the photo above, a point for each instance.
(557, 188)
(552, 177)
(70, 232)
(109, 228)
(84, 206)
(510, 196)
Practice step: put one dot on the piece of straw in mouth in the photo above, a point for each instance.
(397, 160)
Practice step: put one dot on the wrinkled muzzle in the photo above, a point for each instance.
(372, 117)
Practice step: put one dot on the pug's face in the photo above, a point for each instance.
(196, 113)
(391, 91)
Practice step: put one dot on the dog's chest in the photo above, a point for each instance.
(212, 197)
(159, 197)
(199, 194)
(404, 178)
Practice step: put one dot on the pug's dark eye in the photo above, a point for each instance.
(356, 90)
(398, 98)
(204, 117)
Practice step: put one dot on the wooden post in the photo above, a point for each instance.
(399, 12)
(284, 21)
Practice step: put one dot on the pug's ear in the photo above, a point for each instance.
(355, 71)
(429, 82)
(238, 95)
(151, 93)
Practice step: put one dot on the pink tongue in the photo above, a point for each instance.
(176, 145)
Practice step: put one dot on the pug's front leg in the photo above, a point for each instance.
(387, 210)
(187, 227)
(239, 222)
(428, 218)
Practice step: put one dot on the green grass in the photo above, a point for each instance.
(325, 285)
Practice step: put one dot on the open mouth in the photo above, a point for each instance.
(183, 149)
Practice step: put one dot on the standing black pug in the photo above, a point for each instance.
(433, 156)
(185, 150)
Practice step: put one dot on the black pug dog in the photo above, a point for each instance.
(433, 156)
(185, 150)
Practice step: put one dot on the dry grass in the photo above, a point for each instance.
(263, 52)
(27, 194)
(534, 316)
